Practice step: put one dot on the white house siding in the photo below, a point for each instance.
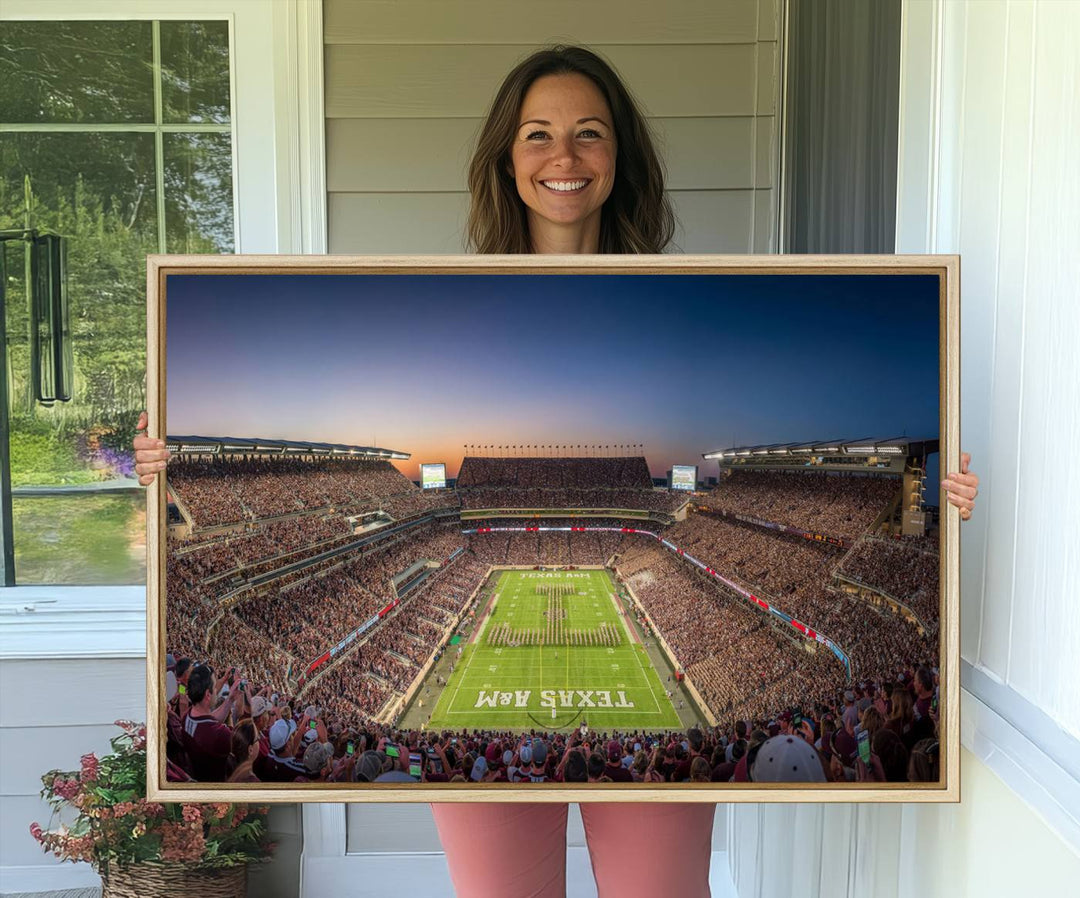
(408, 83)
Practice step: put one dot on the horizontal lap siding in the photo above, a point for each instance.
(408, 84)
(460, 80)
(79, 699)
(708, 221)
(381, 155)
(523, 22)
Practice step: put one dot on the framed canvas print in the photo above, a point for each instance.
(553, 528)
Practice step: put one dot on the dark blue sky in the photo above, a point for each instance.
(427, 363)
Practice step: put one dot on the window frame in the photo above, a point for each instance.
(276, 93)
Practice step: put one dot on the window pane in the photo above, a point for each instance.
(76, 72)
(195, 71)
(98, 191)
(198, 193)
(81, 540)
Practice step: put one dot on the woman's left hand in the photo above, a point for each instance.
(961, 489)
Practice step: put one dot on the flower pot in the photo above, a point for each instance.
(171, 880)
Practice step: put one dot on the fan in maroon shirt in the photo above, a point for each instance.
(614, 767)
(206, 739)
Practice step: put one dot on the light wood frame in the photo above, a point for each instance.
(945, 267)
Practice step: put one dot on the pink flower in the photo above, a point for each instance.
(36, 831)
(192, 814)
(180, 842)
(150, 808)
(65, 788)
(89, 768)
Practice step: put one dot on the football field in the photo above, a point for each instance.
(553, 650)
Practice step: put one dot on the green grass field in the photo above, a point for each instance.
(554, 686)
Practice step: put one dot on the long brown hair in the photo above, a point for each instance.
(903, 709)
(244, 735)
(637, 216)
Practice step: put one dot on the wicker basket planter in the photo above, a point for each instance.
(160, 880)
(149, 849)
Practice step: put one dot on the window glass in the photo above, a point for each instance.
(117, 186)
(65, 72)
(195, 71)
(198, 193)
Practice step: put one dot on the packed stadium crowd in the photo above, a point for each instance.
(790, 571)
(230, 490)
(842, 505)
(273, 626)
(554, 473)
(506, 483)
(631, 500)
(548, 547)
(223, 726)
(906, 570)
(309, 616)
(261, 542)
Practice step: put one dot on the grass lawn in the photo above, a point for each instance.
(556, 685)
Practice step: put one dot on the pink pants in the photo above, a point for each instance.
(519, 850)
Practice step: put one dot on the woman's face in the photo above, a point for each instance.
(563, 154)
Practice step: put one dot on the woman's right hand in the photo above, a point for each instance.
(150, 454)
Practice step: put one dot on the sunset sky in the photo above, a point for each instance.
(683, 364)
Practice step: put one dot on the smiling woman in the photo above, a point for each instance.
(563, 162)
(562, 117)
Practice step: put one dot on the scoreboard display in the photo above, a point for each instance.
(433, 477)
(684, 477)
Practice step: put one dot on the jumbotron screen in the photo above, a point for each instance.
(433, 477)
(684, 477)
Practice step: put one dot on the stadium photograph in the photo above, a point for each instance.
(523, 531)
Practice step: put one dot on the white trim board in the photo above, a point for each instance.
(298, 37)
(63, 622)
(1031, 772)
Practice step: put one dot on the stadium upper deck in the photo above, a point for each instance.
(598, 484)
(555, 473)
